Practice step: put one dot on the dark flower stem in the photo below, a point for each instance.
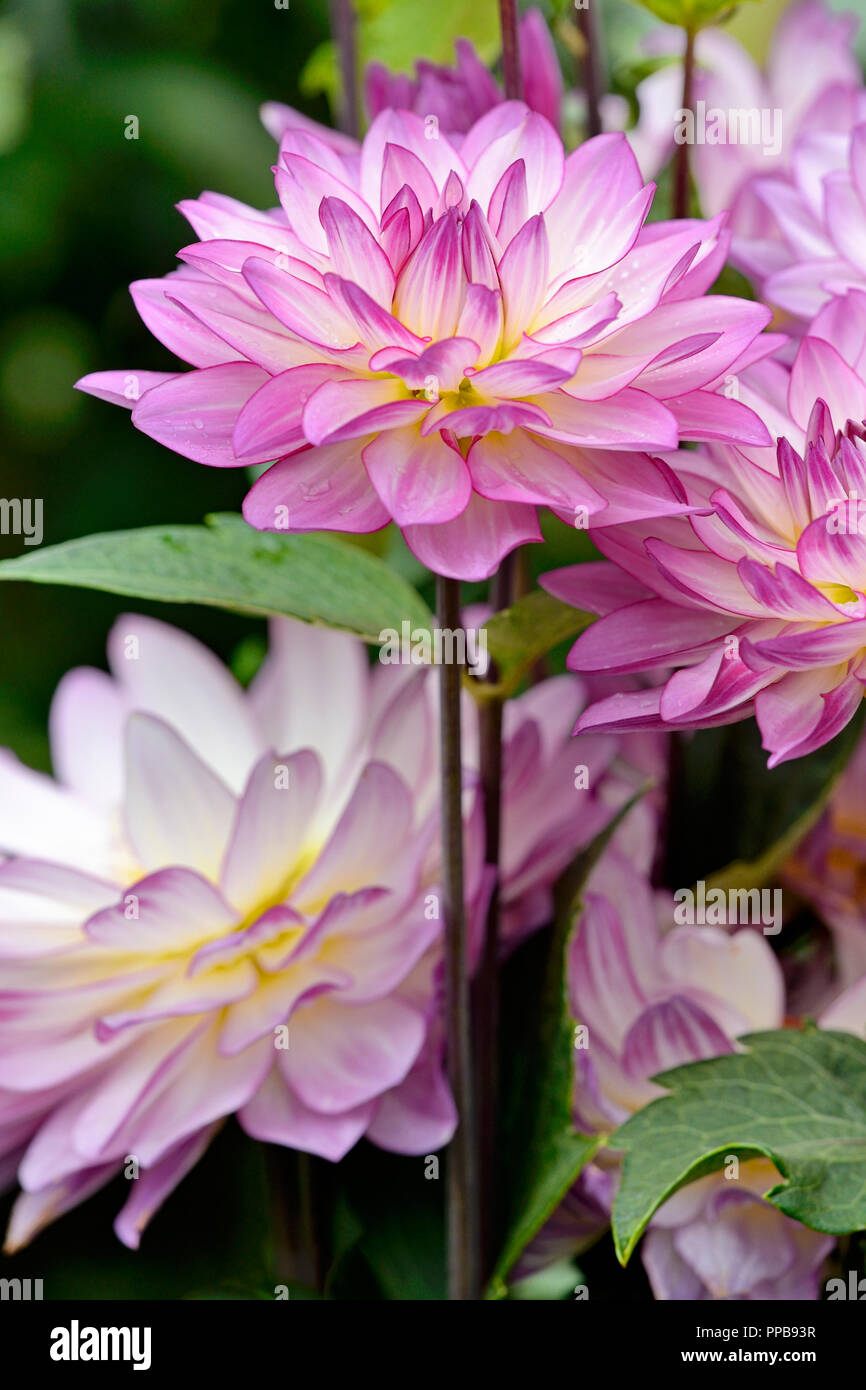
(592, 65)
(344, 30)
(681, 191)
(464, 1207)
(485, 994)
(511, 74)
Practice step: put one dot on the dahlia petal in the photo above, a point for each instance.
(270, 829)
(367, 844)
(506, 134)
(325, 488)
(169, 674)
(517, 468)
(739, 971)
(440, 367)
(819, 371)
(121, 388)
(354, 251)
(638, 421)
(526, 376)
(86, 731)
(419, 1115)
(431, 284)
(270, 424)
(305, 310)
(523, 274)
(785, 593)
(301, 186)
(347, 1054)
(175, 908)
(471, 546)
(597, 214)
(642, 635)
(669, 1034)
(407, 131)
(798, 713)
(248, 331)
(374, 325)
(188, 338)
(702, 575)
(277, 118)
(403, 169)
(635, 486)
(342, 410)
(595, 586)
(34, 1210)
(207, 1088)
(419, 480)
(158, 1183)
(194, 413)
(832, 557)
(40, 819)
(509, 205)
(708, 415)
(741, 1241)
(844, 212)
(329, 715)
(214, 217)
(277, 1116)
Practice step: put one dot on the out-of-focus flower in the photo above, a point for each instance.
(227, 903)
(828, 869)
(718, 1239)
(652, 996)
(457, 97)
(759, 601)
(777, 147)
(446, 338)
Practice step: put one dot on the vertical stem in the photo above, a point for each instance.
(681, 160)
(511, 74)
(464, 1220)
(294, 1217)
(344, 30)
(592, 64)
(485, 994)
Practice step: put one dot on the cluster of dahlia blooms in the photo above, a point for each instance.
(228, 902)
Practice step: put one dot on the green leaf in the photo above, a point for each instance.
(734, 821)
(519, 636)
(538, 1070)
(797, 1098)
(691, 14)
(227, 564)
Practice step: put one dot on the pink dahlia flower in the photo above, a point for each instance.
(446, 338)
(227, 903)
(457, 97)
(759, 600)
(651, 996)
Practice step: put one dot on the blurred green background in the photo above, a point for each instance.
(83, 211)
